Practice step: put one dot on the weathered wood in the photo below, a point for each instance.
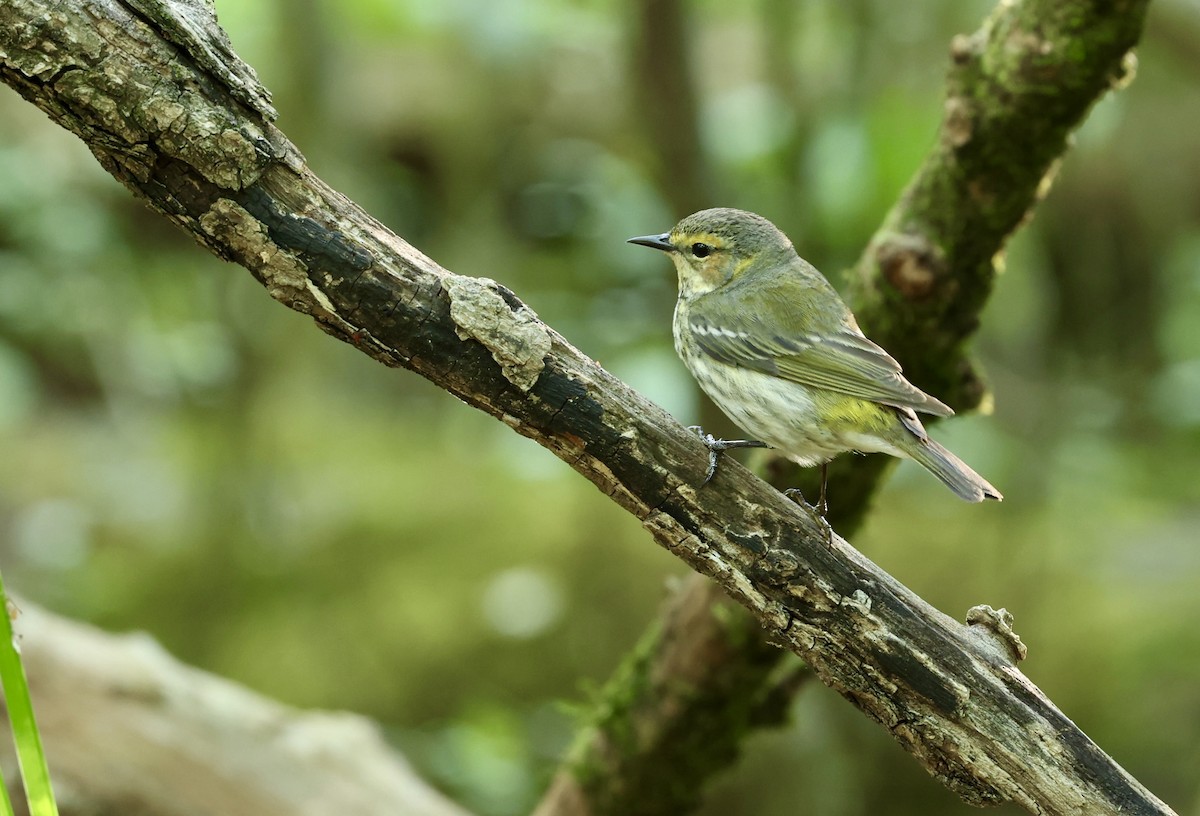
(193, 142)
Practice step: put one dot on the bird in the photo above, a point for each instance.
(771, 342)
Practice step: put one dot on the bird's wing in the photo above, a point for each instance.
(839, 358)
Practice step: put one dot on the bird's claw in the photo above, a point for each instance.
(710, 442)
(712, 459)
(715, 446)
(821, 507)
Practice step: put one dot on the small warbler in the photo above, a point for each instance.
(771, 342)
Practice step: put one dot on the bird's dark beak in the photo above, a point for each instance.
(654, 241)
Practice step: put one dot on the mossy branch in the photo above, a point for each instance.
(1017, 89)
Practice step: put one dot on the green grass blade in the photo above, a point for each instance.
(4, 800)
(20, 714)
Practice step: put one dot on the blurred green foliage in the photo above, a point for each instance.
(182, 455)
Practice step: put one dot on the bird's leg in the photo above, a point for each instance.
(822, 507)
(715, 446)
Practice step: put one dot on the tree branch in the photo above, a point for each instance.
(195, 140)
(667, 104)
(675, 711)
(1017, 88)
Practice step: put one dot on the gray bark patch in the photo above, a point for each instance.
(517, 339)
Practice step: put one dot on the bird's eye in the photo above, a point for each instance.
(701, 250)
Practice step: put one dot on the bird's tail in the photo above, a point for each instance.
(952, 471)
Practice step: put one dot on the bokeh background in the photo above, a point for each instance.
(179, 454)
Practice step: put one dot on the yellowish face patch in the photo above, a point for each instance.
(703, 261)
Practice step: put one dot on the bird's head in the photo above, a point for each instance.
(712, 248)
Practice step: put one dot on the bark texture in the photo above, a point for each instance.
(154, 90)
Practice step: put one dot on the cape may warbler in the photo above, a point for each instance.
(772, 343)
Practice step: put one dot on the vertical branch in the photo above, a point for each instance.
(1017, 88)
(667, 105)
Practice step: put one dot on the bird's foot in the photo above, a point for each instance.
(716, 446)
(795, 494)
(822, 505)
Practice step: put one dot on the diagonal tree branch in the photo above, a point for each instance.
(139, 87)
